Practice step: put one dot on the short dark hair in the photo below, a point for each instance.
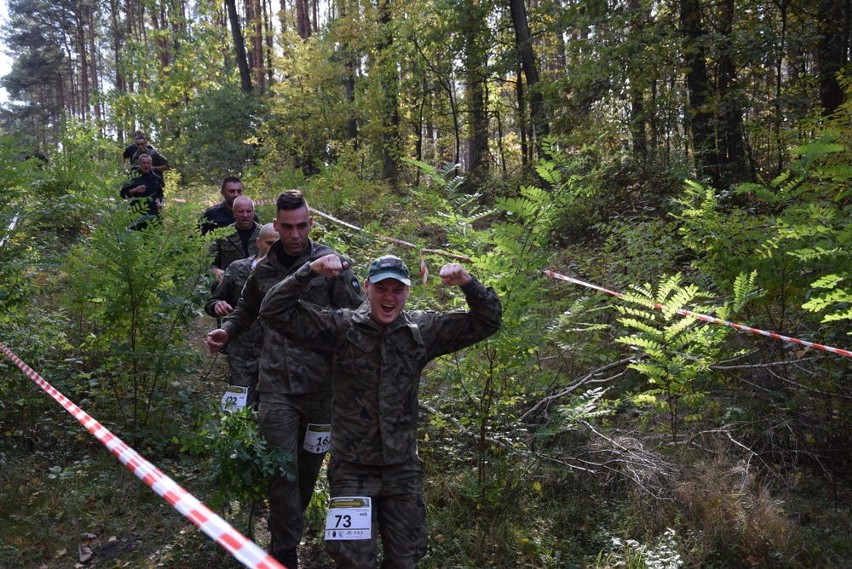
(291, 199)
(230, 180)
(139, 134)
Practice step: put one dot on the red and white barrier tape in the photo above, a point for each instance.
(243, 549)
(424, 271)
(711, 319)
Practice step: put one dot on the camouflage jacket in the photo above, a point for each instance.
(286, 367)
(244, 345)
(376, 370)
(226, 250)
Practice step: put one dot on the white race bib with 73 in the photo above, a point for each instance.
(348, 517)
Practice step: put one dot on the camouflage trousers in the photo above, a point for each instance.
(399, 513)
(283, 421)
(244, 373)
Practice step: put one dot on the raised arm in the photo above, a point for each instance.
(458, 329)
(303, 322)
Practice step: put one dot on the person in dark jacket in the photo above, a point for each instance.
(294, 387)
(139, 147)
(145, 193)
(130, 149)
(244, 350)
(378, 353)
(222, 214)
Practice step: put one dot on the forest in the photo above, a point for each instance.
(656, 189)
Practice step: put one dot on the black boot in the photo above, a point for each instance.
(289, 557)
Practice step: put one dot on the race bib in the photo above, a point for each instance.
(235, 398)
(317, 438)
(348, 517)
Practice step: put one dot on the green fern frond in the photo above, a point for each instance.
(679, 299)
(667, 286)
(652, 348)
(744, 289)
(678, 327)
(641, 326)
(639, 296)
(649, 314)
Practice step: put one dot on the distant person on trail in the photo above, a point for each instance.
(241, 243)
(145, 192)
(140, 146)
(244, 349)
(378, 352)
(222, 214)
(130, 149)
(293, 389)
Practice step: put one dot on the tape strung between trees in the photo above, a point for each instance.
(240, 547)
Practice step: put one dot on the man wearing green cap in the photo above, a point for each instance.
(378, 353)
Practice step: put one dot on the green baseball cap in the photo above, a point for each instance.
(388, 267)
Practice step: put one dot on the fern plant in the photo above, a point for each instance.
(679, 351)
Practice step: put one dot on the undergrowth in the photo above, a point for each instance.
(581, 435)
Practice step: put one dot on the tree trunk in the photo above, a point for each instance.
(349, 66)
(475, 66)
(254, 22)
(93, 59)
(303, 19)
(529, 65)
(120, 82)
(831, 53)
(389, 85)
(282, 16)
(520, 96)
(699, 117)
(638, 119)
(81, 47)
(269, 36)
(733, 167)
(239, 46)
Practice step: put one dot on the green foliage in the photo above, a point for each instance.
(796, 233)
(678, 352)
(306, 113)
(131, 295)
(218, 134)
(239, 460)
(633, 249)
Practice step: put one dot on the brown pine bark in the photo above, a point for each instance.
(239, 46)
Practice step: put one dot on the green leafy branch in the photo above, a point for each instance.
(679, 351)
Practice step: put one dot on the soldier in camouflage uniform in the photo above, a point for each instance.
(379, 351)
(244, 350)
(241, 243)
(294, 385)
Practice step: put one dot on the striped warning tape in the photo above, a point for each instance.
(704, 317)
(711, 319)
(424, 271)
(243, 549)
